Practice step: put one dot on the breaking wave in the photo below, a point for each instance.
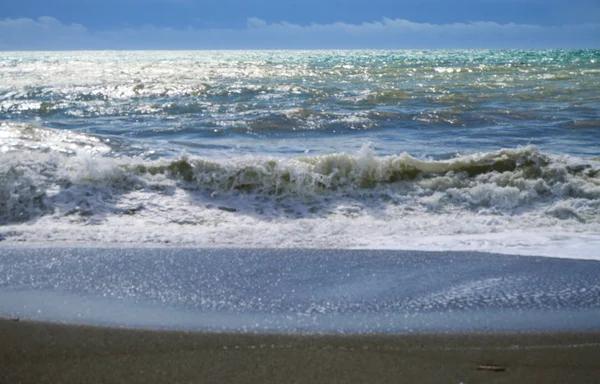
(60, 186)
(51, 182)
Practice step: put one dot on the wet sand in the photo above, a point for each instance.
(36, 352)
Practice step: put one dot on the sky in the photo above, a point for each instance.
(294, 24)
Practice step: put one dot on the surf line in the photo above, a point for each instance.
(514, 347)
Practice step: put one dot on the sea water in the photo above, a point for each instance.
(429, 150)
(299, 290)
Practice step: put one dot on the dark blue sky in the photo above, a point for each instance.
(103, 19)
(233, 13)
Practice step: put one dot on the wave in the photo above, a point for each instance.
(515, 200)
(350, 173)
(38, 183)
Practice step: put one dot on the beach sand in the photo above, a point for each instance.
(36, 352)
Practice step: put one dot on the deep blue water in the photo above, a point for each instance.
(427, 103)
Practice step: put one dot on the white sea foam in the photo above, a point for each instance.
(17, 136)
(518, 201)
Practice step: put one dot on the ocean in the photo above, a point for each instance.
(494, 151)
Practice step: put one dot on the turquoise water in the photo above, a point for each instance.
(492, 150)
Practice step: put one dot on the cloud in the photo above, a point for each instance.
(41, 33)
(47, 33)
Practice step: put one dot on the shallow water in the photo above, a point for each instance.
(305, 291)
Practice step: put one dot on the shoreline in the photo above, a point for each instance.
(44, 352)
(8, 243)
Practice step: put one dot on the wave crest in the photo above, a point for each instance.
(341, 171)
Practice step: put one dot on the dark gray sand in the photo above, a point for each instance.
(35, 352)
